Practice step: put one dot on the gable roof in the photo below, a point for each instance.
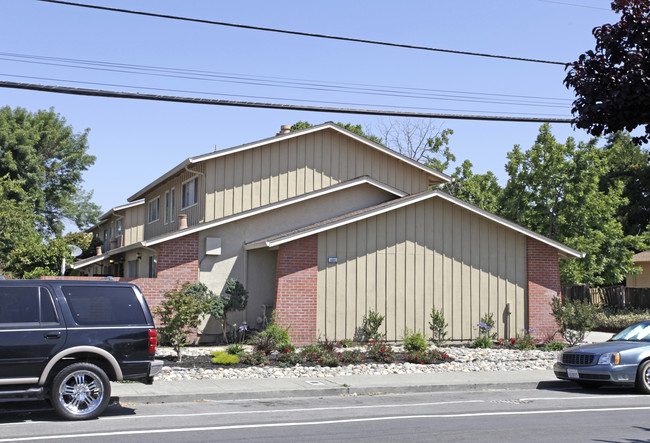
(108, 214)
(392, 205)
(241, 215)
(641, 257)
(438, 176)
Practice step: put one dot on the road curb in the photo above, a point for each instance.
(125, 398)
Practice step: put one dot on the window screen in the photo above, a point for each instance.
(104, 305)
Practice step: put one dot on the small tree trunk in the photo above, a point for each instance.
(225, 328)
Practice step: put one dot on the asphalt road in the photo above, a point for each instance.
(523, 415)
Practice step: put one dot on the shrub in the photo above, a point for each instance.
(574, 319)
(287, 355)
(255, 358)
(278, 334)
(224, 358)
(617, 319)
(426, 357)
(526, 341)
(438, 327)
(351, 356)
(414, 341)
(311, 353)
(372, 321)
(328, 359)
(235, 349)
(345, 343)
(235, 298)
(486, 325)
(263, 343)
(380, 351)
(554, 346)
(180, 313)
(482, 342)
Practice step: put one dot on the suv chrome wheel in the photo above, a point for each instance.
(80, 391)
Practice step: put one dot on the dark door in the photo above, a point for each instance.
(31, 331)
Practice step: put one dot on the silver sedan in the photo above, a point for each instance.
(623, 360)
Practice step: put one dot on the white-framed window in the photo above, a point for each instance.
(166, 208)
(154, 210)
(172, 202)
(190, 193)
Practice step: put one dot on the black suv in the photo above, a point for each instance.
(65, 340)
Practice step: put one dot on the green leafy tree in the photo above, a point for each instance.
(482, 190)
(554, 189)
(180, 313)
(36, 256)
(629, 164)
(46, 158)
(235, 298)
(357, 129)
(574, 319)
(611, 82)
(17, 220)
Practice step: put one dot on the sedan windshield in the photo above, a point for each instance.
(640, 332)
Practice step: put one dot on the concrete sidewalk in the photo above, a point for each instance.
(196, 390)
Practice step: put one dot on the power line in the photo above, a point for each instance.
(304, 34)
(315, 87)
(243, 96)
(206, 101)
(574, 4)
(268, 80)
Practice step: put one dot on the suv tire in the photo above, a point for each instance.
(80, 391)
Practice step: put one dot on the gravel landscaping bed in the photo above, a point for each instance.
(196, 364)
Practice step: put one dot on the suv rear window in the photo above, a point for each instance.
(104, 305)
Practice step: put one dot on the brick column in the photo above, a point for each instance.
(297, 289)
(543, 286)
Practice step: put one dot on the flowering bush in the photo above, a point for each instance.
(310, 353)
(256, 358)
(526, 341)
(287, 355)
(427, 357)
(380, 351)
(350, 356)
(328, 359)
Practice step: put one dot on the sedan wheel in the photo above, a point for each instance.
(80, 391)
(643, 377)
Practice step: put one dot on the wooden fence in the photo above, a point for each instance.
(614, 296)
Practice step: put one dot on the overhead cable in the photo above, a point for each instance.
(221, 94)
(304, 34)
(281, 82)
(217, 102)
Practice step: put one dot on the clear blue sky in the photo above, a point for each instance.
(137, 141)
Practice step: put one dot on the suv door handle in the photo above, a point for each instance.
(52, 335)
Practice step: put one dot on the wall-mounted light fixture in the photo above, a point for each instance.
(138, 256)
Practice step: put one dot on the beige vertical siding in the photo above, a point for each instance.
(641, 280)
(133, 225)
(275, 172)
(194, 213)
(404, 263)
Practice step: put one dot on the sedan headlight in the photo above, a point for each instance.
(559, 356)
(611, 358)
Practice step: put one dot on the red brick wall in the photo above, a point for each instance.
(297, 289)
(543, 286)
(178, 263)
